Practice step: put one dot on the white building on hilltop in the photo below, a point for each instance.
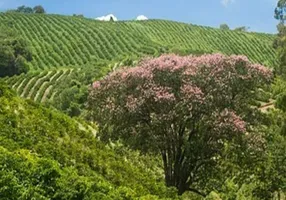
(107, 18)
(141, 18)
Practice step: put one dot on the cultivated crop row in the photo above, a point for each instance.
(38, 86)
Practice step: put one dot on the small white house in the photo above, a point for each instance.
(107, 18)
(141, 18)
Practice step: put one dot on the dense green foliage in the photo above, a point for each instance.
(242, 29)
(14, 52)
(39, 9)
(279, 12)
(23, 9)
(280, 41)
(71, 94)
(28, 10)
(224, 27)
(46, 155)
(61, 41)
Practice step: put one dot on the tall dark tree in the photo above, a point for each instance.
(280, 10)
(224, 27)
(280, 42)
(242, 29)
(14, 53)
(39, 9)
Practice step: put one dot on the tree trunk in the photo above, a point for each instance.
(176, 173)
(177, 167)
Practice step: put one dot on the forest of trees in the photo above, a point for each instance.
(26, 9)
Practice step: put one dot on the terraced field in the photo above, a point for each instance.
(62, 41)
(38, 86)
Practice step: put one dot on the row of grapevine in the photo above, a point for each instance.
(54, 90)
(257, 46)
(38, 86)
(24, 84)
(17, 81)
(43, 90)
(34, 91)
(31, 84)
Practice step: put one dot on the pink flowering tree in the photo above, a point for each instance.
(186, 109)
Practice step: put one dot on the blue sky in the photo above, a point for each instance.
(256, 14)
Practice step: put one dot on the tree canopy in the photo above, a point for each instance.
(14, 52)
(224, 27)
(280, 41)
(26, 9)
(279, 12)
(242, 29)
(170, 106)
(39, 9)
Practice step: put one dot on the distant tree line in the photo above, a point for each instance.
(26, 9)
(241, 28)
(78, 15)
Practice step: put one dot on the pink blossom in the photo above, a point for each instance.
(166, 62)
(181, 85)
(230, 118)
(132, 103)
(239, 58)
(189, 91)
(262, 70)
(139, 72)
(163, 94)
(96, 85)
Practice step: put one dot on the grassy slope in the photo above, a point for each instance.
(63, 41)
(44, 154)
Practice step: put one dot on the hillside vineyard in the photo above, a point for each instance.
(62, 41)
(65, 45)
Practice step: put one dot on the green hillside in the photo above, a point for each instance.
(74, 127)
(67, 49)
(47, 155)
(64, 41)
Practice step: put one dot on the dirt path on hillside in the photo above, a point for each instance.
(265, 107)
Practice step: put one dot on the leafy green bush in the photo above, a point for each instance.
(46, 155)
